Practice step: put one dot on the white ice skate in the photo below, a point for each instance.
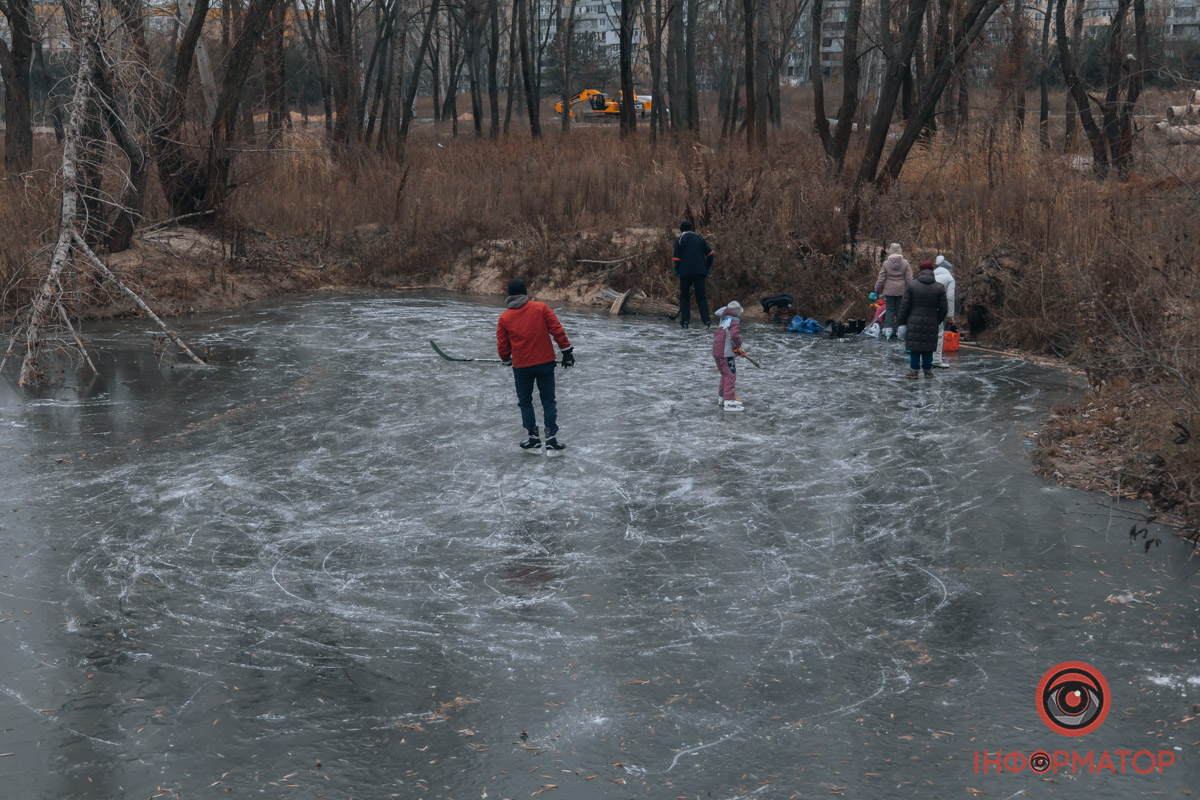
(733, 405)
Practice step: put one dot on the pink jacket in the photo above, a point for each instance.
(894, 276)
(727, 338)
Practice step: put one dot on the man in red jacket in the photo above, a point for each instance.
(523, 342)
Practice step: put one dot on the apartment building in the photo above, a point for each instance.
(1182, 21)
(833, 34)
(598, 19)
(1177, 20)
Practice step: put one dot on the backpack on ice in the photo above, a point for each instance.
(801, 325)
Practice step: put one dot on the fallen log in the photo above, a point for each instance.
(106, 272)
(1178, 115)
(636, 301)
(1183, 134)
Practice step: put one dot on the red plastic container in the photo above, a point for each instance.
(950, 342)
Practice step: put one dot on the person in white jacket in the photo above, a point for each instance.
(943, 273)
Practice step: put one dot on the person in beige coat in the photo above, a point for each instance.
(894, 276)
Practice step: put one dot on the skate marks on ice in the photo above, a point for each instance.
(335, 538)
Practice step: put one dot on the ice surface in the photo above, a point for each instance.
(330, 549)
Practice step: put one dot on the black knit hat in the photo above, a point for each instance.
(516, 286)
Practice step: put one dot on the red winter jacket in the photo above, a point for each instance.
(523, 334)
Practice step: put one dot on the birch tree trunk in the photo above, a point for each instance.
(85, 46)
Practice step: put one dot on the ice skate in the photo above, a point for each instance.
(533, 444)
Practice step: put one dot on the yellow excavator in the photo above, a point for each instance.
(601, 106)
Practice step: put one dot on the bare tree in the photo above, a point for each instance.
(566, 39)
(47, 303)
(851, 73)
(654, 25)
(689, 66)
(530, 76)
(1072, 45)
(677, 65)
(493, 64)
(628, 97)
(414, 81)
(340, 29)
(1124, 79)
(978, 13)
(897, 54)
(762, 67)
(750, 29)
(15, 62)
(381, 64)
(1044, 81)
(275, 73)
(1018, 56)
(1083, 107)
(237, 68)
(785, 15)
(820, 119)
(178, 173)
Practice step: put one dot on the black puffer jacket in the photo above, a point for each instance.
(922, 310)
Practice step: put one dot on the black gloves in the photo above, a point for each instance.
(568, 357)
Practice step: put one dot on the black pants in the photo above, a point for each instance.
(686, 282)
(543, 375)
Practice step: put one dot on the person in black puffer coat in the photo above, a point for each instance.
(922, 311)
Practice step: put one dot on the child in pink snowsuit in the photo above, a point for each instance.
(726, 342)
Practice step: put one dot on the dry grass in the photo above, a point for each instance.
(27, 211)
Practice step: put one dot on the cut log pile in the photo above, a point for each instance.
(635, 301)
(1182, 125)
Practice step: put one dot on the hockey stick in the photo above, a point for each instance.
(750, 358)
(438, 350)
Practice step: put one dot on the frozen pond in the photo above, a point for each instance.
(326, 570)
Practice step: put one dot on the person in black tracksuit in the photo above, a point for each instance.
(693, 263)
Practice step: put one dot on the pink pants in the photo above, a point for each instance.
(728, 376)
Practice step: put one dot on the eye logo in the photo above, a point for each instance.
(1072, 698)
(1039, 762)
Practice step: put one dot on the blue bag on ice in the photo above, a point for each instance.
(801, 325)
